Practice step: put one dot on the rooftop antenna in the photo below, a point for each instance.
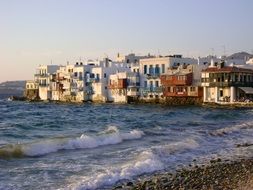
(212, 49)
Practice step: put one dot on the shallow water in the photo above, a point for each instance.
(89, 146)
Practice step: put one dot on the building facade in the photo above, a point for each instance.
(226, 84)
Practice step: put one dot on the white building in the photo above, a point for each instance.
(123, 85)
(152, 68)
(99, 78)
(42, 77)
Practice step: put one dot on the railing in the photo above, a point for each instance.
(42, 75)
(152, 76)
(152, 89)
(175, 93)
(117, 86)
(93, 80)
(228, 84)
(78, 78)
(132, 84)
(44, 85)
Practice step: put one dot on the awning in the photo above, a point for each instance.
(247, 90)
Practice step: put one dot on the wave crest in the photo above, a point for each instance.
(146, 162)
(227, 130)
(112, 136)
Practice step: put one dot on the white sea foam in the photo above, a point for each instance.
(111, 136)
(227, 130)
(146, 162)
(165, 150)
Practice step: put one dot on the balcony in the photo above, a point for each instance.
(133, 84)
(177, 94)
(93, 80)
(43, 85)
(42, 75)
(120, 84)
(173, 80)
(153, 76)
(152, 90)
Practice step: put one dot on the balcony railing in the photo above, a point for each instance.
(44, 85)
(95, 80)
(152, 89)
(42, 75)
(153, 76)
(228, 84)
(175, 93)
(133, 84)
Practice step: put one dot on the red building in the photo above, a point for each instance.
(179, 83)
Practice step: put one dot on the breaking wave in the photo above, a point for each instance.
(227, 130)
(110, 136)
(173, 147)
(147, 161)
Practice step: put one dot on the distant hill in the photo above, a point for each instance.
(240, 55)
(12, 88)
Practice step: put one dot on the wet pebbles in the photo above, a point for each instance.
(218, 175)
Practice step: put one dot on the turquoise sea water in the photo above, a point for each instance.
(95, 146)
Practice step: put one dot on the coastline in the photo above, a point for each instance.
(217, 175)
(170, 102)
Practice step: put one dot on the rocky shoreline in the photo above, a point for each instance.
(217, 175)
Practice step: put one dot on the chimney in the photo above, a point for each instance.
(212, 63)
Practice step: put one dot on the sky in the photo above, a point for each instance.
(35, 32)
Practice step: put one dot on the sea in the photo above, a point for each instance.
(97, 146)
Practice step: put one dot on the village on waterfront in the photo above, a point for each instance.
(172, 79)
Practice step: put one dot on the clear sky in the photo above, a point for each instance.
(34, 32)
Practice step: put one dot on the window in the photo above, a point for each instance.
(157, 69)
(145, 69)
(180, 77)
(92, 75)
(193, 89)
(145, 84)
(104, 75)
(163, 68)
(221, 93)
(151, 84)
(97, 76)
(157, 83)
(151, 70)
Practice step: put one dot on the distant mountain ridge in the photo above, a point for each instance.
(240, 55)
(12, 88)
